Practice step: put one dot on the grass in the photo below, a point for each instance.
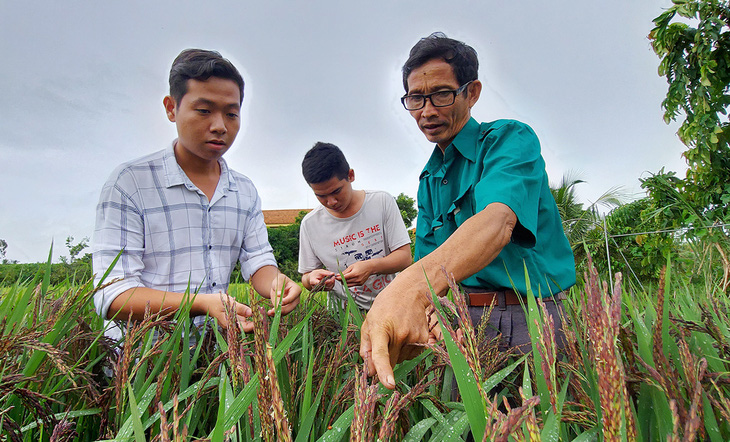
(638, 366)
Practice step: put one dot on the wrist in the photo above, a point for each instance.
(416, 278)
(201, 303)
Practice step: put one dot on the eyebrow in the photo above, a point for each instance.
(320, 195)
(440, 88)
(206, 102)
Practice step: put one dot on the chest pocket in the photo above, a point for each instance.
(462, 208)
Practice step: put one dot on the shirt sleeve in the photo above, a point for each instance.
(396, 234)
(513, 172)
(118, 242)
(308, 260)
(256, 251)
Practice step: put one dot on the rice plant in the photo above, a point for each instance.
(649, 365)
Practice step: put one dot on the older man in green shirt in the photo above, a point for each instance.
(485, 214)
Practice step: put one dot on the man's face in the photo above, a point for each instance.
(441, 124)
(335, 194)
(207, 117)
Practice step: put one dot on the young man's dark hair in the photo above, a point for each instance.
(324, 161)
(462, 57)
(199, 64)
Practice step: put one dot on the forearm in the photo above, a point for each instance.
(474, 245)
(262, 280)
(396, 261)
(135, 301)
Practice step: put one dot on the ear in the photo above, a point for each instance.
(170, 107)
(351, 175)
(475, 90)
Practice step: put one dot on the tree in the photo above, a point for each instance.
(633, 250)
(3, 249)
(578, 221)
(285, 242)
(692, 38)
(77, 266)
(75, 249)
(407, 207)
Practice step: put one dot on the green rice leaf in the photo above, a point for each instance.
(240, 404)
(589, 436)
(534, 317)
(419, 430)
(274, 329)
(219, 431)
(428, 405)
(136, 416)
(339, 427)
(142, 404)
(526, 382)
(711, 426)
(551, 431)
(453, 427)
(473, 402)
(499, 376)
(305, 427)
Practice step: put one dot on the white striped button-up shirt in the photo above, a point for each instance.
(170, 236)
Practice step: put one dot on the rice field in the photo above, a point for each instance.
(639, 365)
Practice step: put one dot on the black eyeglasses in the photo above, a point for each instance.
(438, 99)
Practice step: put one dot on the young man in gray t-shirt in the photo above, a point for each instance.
(357, 235)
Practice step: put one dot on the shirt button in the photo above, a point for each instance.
(210, 247)
(214, 284)
(444, 181)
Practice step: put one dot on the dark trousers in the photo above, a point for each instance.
(511, 322)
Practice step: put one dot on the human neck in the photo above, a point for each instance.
(204, 174)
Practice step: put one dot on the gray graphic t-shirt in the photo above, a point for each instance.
(336, 243)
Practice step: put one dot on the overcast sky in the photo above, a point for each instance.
(83, 81)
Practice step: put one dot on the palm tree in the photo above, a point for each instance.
(578, 221)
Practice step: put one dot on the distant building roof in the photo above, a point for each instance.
(284, 217)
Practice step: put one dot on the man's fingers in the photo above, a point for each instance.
(409, 352)
(243, 310)
(291, 296)
(381, 358)
(246, 326)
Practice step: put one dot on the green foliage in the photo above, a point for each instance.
(703, 246)
(635, 244)
(75, 249)
(692, 38)
(578, 220)
(670, 347)
(407, 207)
(285, 242)
(78, 271)
(3, 250)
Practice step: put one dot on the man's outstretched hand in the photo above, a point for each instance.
(395, 329)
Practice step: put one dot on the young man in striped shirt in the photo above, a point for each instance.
(180, 219)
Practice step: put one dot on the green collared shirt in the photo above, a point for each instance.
(488, 163)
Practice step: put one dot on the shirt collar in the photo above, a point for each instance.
(175, 176)
(465, 143)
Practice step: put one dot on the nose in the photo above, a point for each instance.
(218, 123)
(429, 109)
(331, 201)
